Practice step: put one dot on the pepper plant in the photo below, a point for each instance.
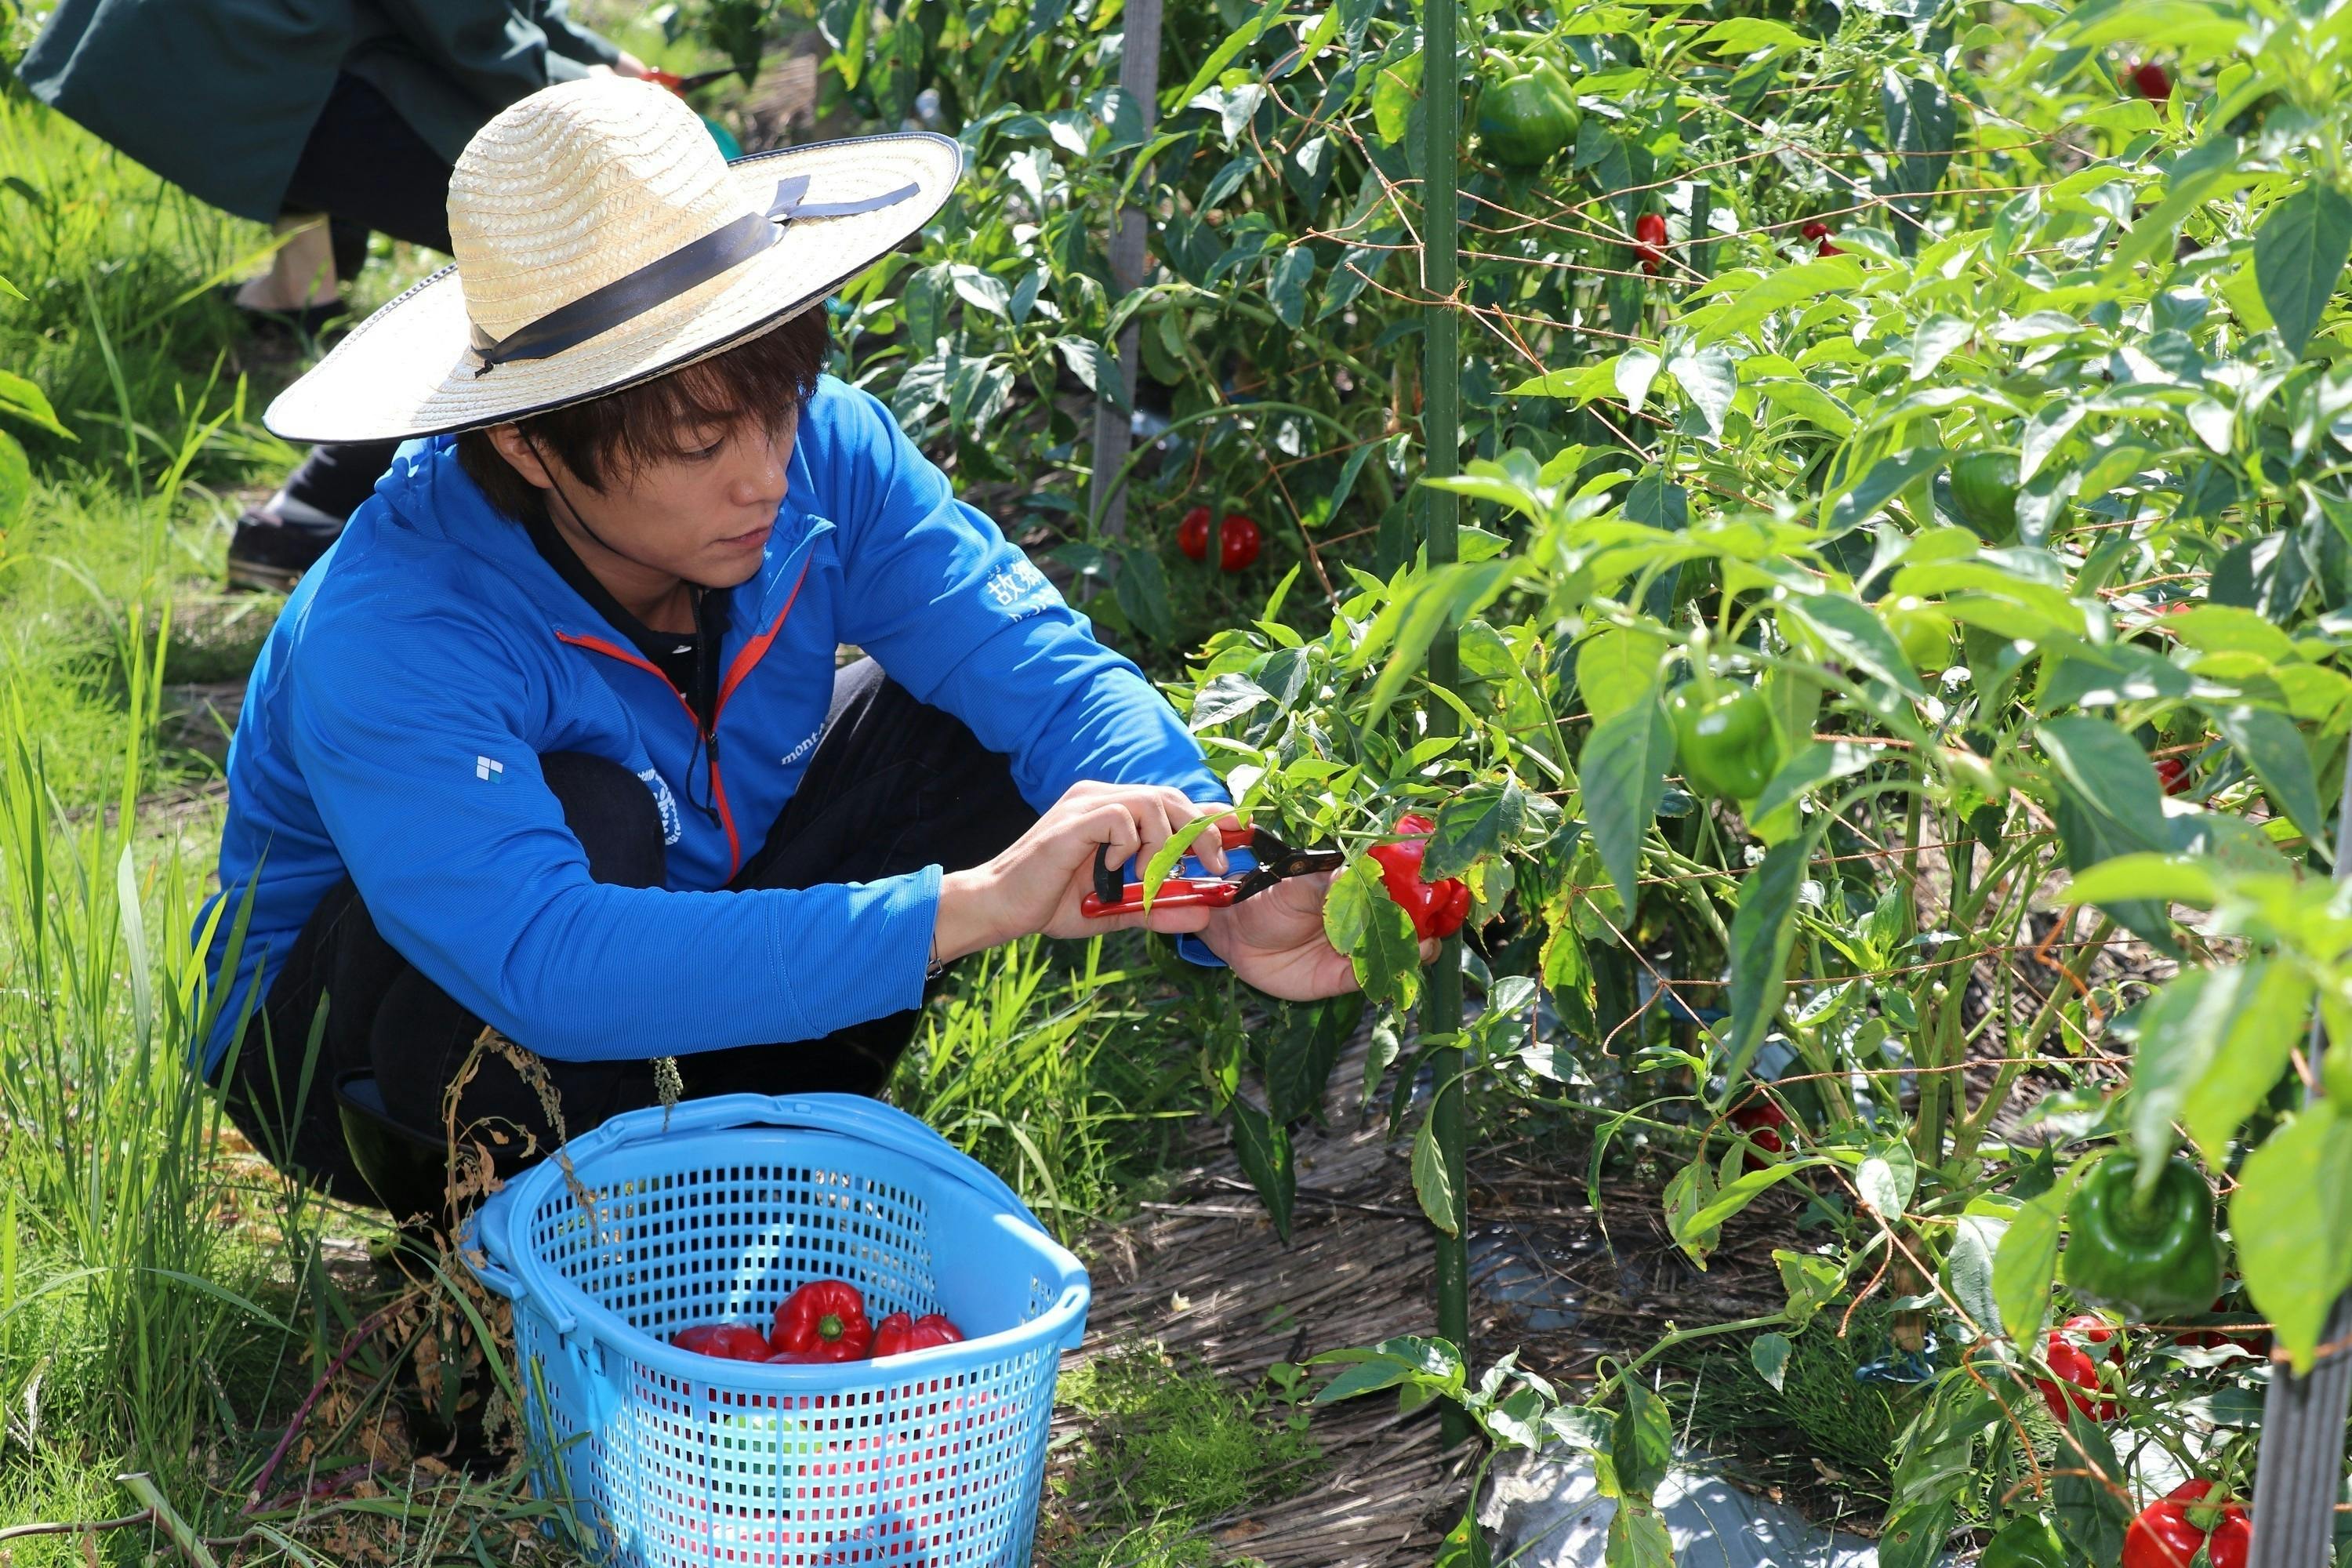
(1908, 555)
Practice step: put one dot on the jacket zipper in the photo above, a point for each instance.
(705, 735)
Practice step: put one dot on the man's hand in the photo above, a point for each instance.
(1275, 942)
(1036, 885)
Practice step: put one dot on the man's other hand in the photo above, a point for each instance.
(1275, 942)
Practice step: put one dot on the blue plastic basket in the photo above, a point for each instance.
(668, 1457)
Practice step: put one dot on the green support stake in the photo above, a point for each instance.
(1441, 421)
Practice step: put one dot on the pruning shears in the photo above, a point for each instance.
(1274, 861)
(682, 85)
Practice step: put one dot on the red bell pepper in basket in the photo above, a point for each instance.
(899, 1332)
(826, 1321)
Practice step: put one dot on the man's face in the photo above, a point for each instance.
(704, 517)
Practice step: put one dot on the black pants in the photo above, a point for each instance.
(894, 787)
(367, 169)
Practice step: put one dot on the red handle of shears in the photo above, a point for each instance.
(1176, 892)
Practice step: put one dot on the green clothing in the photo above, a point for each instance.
(219, 95)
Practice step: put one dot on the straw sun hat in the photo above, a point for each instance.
(601, 241)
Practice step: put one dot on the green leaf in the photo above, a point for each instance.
(1305, 1049)
(1935, 337)
(2273, 748)
(1433, 1181)
(2026, 1263)
(1889, 1176)
(1165, 860)
(1641, 1440)
(1779, 291)
(2291, 1219)
(1269, 15)
(1761, 935)
(1881, 483)
(1859, 638)
(2206, 170)
(1768, 1354)
(1709, 377)
(1388, 959)
(2180, 1029)
(1464, 1545)
(1142, 592)
(1616, 670)
(1395, 89)
(1968, 1266)
(1637, 1539)
(1697, 1229)
(2171, 878)
(2111, 777)
(2088, 1492)
(2272, 1018)
(1286, 287)
(29, 403)
(1820, 762)
(1264, 1151)
(16, 480)
(1812, 1282)
(1348, 908)
(2299, 255)
(1914, 1537)
(1623, 773)
(1224, 698)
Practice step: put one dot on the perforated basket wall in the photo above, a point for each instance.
(668, 1458)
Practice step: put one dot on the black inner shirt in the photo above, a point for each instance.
(689, 660)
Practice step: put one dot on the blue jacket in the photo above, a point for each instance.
(393, 724)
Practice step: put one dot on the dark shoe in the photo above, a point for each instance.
(305, 323)
(406, 1168)
(271, 549)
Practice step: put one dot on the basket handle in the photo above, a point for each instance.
(484, 1232)
(853, 1114)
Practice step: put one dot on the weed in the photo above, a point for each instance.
(1048, 1072)
(1170, 1448)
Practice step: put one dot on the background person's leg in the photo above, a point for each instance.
(369, 169)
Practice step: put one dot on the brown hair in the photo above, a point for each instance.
(765, 378)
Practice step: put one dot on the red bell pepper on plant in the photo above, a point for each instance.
(1819, 233)
(729, 1342)
(1237, 541)
(1438, 908)
(2072, 1363)
(824, 1318)
(1193, 533)
(1650, 241)
(2168, 1532)
(2172, 773)
(2149, 81)
(900, 1333)
(1761, 1119)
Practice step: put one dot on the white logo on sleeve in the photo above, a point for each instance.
(489, 769)
(672, 829)
(1021, 585)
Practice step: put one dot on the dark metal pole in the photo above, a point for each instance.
(2299, 1466)
(1138, 78)
(1441, 95)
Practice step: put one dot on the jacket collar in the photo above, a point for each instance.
(429, 492)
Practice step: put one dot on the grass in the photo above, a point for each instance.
(168, 1304)
(1175, 1450)
(1059, 1077)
